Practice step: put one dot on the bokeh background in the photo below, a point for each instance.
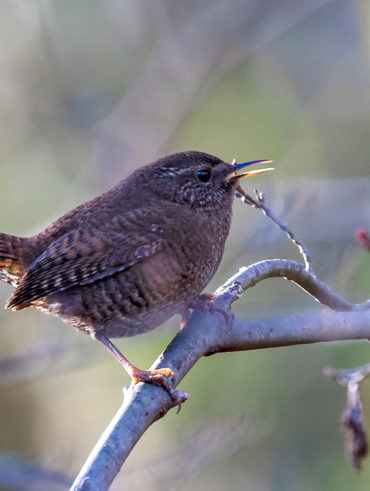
(90, 90)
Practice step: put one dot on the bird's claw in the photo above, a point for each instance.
(159, 377)
(151, 375)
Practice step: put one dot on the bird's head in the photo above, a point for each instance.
(196, 179)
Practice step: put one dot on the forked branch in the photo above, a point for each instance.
(207, 333)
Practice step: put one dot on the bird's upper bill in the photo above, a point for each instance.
(234, 177)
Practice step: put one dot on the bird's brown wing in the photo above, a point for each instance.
(88, 258)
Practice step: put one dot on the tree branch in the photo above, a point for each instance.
(207, 333)
(291, 270)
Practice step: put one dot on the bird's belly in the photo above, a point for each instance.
(140, 322)
(121, 305)
(113, 321)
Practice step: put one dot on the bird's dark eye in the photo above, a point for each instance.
(203, 175)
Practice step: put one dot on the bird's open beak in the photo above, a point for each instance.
(234, 177)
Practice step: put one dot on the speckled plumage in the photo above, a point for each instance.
(131, 258)
(128, 260)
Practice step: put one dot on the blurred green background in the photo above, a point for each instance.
(90, 90)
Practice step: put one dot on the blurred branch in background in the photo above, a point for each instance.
(187, 62)
(213, 440)
(46, 359)
(179, 467)
(16, 473)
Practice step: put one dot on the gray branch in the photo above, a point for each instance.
(206, 333)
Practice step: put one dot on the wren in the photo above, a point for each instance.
(128, 260)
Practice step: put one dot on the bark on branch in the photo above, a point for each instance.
(207, 333)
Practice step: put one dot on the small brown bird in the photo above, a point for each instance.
(130, 259)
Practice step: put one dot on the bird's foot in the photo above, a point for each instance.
(205, 303)
(159, 377)
(150, 376)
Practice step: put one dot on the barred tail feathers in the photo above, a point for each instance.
(13, 253)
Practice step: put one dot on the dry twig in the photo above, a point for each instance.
(259, 203)
(353, 417)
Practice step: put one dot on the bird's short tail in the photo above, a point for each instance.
(13, 258)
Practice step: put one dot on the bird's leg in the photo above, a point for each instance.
(205, 302)
(155, 376)
(135, 373)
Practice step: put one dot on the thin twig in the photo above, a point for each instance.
(259, 203)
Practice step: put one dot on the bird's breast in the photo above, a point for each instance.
(151, 291)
